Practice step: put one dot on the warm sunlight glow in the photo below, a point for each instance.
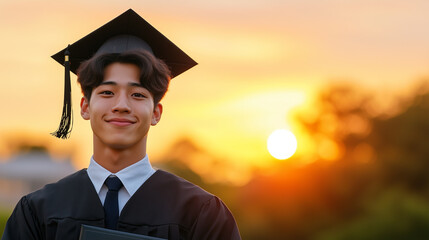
(282, 144)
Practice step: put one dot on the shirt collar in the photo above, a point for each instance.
(132, 177)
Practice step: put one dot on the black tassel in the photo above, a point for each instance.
(66, 123)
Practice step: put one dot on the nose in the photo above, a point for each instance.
(121, 104)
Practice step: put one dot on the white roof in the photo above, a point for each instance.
(37, 166)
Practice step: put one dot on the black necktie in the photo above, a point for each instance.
(111, 208)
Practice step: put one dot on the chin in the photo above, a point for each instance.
(120, 141)
(119, 144)
(123, 142)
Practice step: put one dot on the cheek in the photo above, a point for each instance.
(145, 114)
(99, 106)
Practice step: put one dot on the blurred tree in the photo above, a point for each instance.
(341, 116)
(393, 215)
(299, 203)
(350, 198)
(396, 145)
(401, 143)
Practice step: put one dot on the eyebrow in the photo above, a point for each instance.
(132, 84)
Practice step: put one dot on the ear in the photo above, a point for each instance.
(84, 108)
(157, 112)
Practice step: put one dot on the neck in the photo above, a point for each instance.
(115, 159)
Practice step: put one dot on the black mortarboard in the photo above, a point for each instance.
(126, 32)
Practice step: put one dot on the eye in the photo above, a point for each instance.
(138, 95)
(106, 93)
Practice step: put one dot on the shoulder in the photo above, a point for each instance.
(169, 200)
(55, 200)
(58, 206)
(52, 190)
(206, 211)
(179, 186)
(165, 188)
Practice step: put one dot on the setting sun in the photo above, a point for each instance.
(282, 144)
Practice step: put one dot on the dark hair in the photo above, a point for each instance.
(154, 73)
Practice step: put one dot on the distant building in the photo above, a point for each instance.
(27, 172)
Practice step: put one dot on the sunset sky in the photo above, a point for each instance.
(258, 60)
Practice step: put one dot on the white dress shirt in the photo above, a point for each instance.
(132, 177)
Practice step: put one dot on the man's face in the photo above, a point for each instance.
(121, 111)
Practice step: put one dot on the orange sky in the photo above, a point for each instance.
(258, 59)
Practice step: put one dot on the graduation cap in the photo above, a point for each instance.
(126, 32)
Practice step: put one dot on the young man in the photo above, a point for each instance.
(122, 84)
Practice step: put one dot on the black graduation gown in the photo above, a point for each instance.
(165, 206)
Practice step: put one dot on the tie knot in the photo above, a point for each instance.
(113, 183)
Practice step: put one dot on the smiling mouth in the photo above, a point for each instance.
(120, 122)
